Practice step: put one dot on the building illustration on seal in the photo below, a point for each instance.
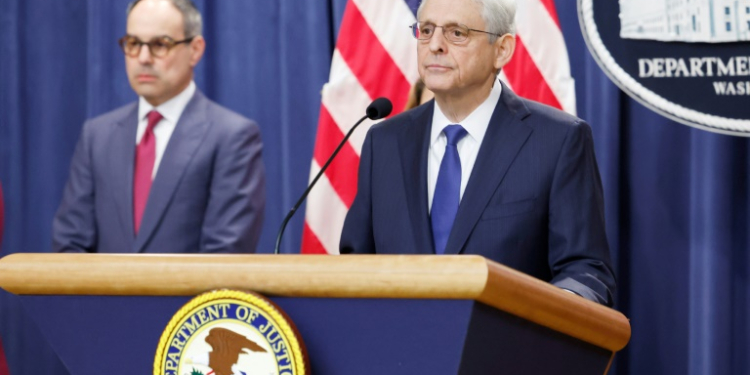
(711, 21)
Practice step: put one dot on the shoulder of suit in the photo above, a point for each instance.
(116, 115)
(543, 114)
(225, 117)
(404, 118)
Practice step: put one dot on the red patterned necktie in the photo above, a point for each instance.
(145, 155)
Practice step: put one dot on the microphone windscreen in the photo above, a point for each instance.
(379, 108)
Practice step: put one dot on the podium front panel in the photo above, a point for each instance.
(119, 335)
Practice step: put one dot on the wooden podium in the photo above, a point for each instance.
(357, 314)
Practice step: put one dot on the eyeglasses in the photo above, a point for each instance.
(455, 33)
(158, 47)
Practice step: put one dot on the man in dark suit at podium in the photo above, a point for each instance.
(480, 170)
(173, 172)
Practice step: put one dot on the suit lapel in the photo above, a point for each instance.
(413, 146)
(183, 143)
(123, 160)
(505, 137)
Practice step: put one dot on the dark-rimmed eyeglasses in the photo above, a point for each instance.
(453, 32)
(158, 47)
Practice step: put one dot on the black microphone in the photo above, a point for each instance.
(379, 108)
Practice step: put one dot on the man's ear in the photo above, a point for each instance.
(504, 47)
(197, 48)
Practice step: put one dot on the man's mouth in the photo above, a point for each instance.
(437, 67)
(146, 78)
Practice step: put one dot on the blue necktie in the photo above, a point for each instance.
(447, 189)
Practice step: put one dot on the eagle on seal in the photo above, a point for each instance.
(227, 347)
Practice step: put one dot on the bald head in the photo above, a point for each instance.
(191, 17)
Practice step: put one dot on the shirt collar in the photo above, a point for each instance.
(172, 109)
(477, 121)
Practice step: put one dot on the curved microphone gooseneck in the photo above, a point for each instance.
(379, 108)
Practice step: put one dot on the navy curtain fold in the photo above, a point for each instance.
(676, 197)
(677, 218)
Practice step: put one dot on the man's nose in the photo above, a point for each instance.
(437, 42)
(144, 55)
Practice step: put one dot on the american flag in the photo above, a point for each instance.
(376, 56)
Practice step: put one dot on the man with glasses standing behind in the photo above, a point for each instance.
(173, 172)
(480, 170)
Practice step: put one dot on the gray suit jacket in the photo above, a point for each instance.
(208, 195)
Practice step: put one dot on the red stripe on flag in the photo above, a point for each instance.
(310, 242)
(550, 5)
(526, 79)
(3, 364)
(369, 61)
(342, 173)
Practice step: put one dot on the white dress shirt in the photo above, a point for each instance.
(171, 110)
(468, 147)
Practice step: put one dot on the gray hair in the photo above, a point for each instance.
(191, 17)
(499, 16)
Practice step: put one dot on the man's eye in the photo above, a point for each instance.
(426, 30)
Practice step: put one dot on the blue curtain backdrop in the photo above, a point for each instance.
(677, 197)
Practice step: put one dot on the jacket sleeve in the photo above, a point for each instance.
(74, 226)
(578, 250)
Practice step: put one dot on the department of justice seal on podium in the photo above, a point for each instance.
(228, 332)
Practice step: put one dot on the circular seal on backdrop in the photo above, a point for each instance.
(227, 332)
(686, 60)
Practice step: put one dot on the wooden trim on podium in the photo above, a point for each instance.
(351, 276)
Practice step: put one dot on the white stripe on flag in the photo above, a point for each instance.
(346, 101)
(546, 45)
(325, 212)
(390, 21)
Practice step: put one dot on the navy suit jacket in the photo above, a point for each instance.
(2, 214)
(208, 194)
(533, 201)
